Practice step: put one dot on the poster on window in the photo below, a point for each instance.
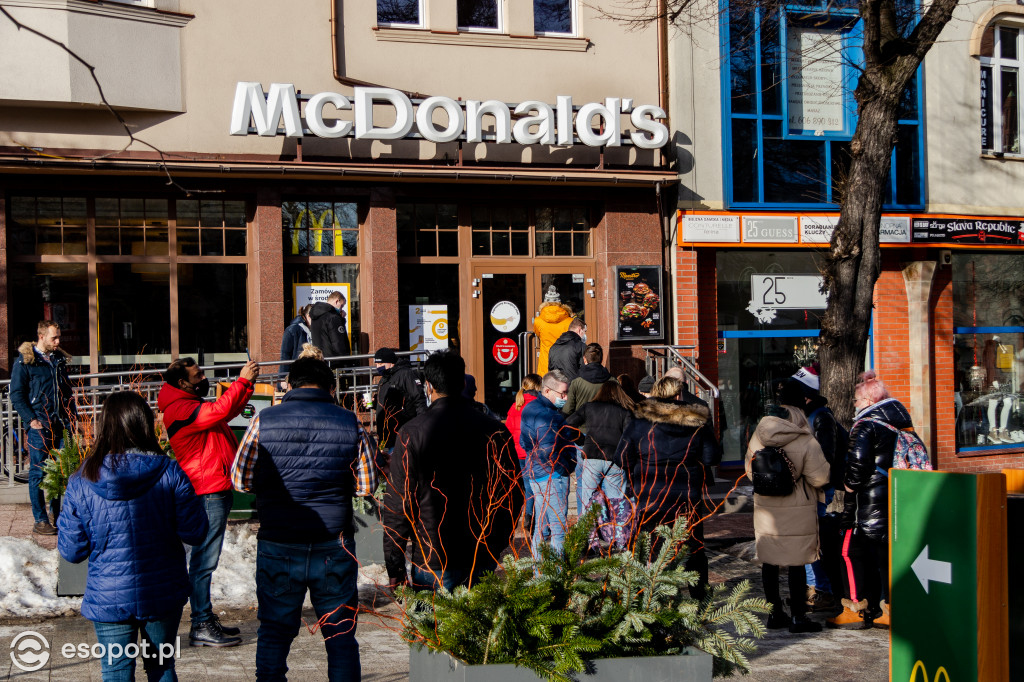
(428, 327)
(304, 293)
(638, 292)
(814, 70)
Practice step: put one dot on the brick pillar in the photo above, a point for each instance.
(687, 298)
(266, 278)
(944, 436)
(918, 277)
(379, 275)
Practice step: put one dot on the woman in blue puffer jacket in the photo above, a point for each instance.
(128, 509)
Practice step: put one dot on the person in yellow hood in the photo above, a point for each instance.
(552, 321)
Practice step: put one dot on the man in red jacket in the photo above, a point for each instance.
(204, 446)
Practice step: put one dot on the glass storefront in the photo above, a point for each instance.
(769, 317)
(988, 352)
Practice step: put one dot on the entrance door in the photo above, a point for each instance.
(505, 302)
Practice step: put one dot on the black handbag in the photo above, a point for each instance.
(772, 472)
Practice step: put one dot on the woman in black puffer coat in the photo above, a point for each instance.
(865, 519)
(666, 453)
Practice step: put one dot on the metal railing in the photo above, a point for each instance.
(527, 352)
(659, 359)
(354, 388)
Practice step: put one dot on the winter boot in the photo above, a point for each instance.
(882, 621)
(778, 619)
(852, 617)
(802, 624)
(823, 601)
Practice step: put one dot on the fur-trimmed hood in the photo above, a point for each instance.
(661, 411)
(28, 355)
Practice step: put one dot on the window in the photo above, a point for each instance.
(321, 228)
(476, 15)
(399, 12)
(501, 231)
(988, 350)
(428, 230)
(562, 231)
(1001, 60)
(789, 108)
(554, 17)
(70, 255)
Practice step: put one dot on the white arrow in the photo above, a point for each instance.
(928, 569)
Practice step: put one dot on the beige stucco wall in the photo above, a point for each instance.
(696, 112)
(960, 180)
(268, 41)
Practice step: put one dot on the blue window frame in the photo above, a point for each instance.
(788, 112)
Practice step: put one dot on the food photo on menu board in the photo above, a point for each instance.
(639, 292)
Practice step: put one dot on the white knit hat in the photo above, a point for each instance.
(808, 377)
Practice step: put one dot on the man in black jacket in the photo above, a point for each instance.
(454, 489)
(400, 396)
(327, 326)
(566, 353)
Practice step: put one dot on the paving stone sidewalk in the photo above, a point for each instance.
(826, 657)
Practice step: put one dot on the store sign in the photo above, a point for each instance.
(505, 316)
(595, 124)
(815, 92)
(761, 228)
(801, 292)
(894, 230)
(996, 232)
(711, 228)
(818, 229)
(505, 351)
(639, 300)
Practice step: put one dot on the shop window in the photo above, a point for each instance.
(1002, 48)
(212, 324)
(476, 15)
(321, 228)
(211, 227)
(400, 12)
(51, 291)
(428, 229)
(501, 231)
(554, 17)
(47, 226)
(789, 109)
(421, 309)
(327, 273)
(131, 227)
(562, 231)
(769, 319)
(988, 352)
(133, 300)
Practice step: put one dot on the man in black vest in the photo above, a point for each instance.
(454, 489)
(305, 459)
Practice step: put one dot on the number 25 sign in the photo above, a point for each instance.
(802, 292)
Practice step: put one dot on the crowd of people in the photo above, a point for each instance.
(459, 481)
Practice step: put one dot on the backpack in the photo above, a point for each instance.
(909, 451)
(773, 472)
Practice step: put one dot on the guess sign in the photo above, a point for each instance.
(505, 351)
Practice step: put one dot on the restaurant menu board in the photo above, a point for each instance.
(638, 289)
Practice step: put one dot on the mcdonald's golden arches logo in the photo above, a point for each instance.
(940, 675)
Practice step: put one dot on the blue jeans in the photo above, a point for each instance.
(579, 480)
(283, 574)
(594, 474)
(157, 650)
(528, 508)
(816, 575)
(40, 441)
(551, 510)
(203, 559)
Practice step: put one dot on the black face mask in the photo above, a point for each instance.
(379, 371)
(202, 389)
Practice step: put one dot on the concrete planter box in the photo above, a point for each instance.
(369, 536)
(692, 666)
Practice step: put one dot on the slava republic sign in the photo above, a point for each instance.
(537, 123)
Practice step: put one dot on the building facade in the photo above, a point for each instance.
(433, 160)
(766, 113)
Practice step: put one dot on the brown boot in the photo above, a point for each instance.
(883, 620)
(852, 617)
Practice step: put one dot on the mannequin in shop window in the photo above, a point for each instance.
(999, 371)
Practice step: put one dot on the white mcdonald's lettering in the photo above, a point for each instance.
(540, 123)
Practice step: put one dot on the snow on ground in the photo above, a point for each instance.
(28, 574)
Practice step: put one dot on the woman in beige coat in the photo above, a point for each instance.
(786, 527)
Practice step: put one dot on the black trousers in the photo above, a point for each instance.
(797, 588)
(865, 568)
